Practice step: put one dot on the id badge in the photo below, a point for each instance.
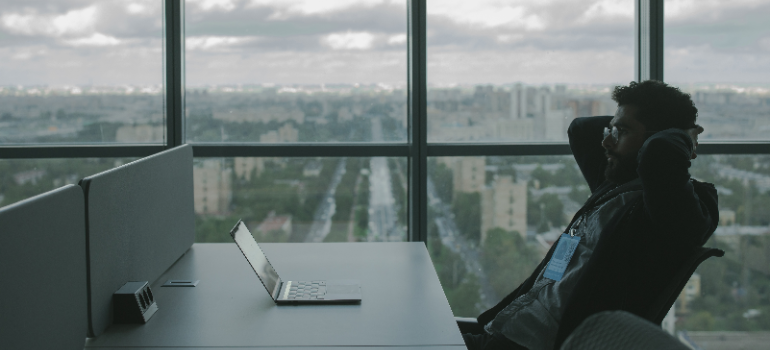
(561, 257)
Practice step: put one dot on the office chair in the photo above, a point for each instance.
(612, 330)
(663, 304)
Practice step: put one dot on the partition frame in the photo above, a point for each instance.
(648, 65)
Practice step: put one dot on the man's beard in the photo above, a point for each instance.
(622, 170)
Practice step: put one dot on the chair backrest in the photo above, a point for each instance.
(43, 272)
(610, 330)
(140, 220)
(669, 296)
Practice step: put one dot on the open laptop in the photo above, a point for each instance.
(292, 292)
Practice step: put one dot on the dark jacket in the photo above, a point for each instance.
(640, 250)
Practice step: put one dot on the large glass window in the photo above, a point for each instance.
(719, 51)
(522, 70)
(492, 219)
(302, 199)
(732, 294)
(296, 71)
(81, 72)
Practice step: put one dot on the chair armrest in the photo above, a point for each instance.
(469, 325)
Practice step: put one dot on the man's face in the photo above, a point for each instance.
(621, 155)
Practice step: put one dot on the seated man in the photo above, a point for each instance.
(624, 246)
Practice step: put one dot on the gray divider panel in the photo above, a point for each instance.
(43, 272)
(140, 219)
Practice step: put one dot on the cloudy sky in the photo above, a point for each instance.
(106, 42)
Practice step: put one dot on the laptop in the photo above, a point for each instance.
(292, 292)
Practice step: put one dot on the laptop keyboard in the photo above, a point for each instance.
(307, 290)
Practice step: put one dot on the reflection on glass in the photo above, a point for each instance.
(301, 199)
(81, 72)
(522, 70)
(492, 219)
(307, 71)
(719, 52)
(24, 178)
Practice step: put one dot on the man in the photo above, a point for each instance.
(621, 250)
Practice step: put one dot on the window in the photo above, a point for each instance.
(302, 71)
(386, 118)
(720, 53)
(81, 72)
(483, 243)
(349, 199)
(522, 70)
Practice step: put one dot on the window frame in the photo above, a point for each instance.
(648, 52)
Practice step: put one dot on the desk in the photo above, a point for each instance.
(403, 304)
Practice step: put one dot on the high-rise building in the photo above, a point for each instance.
(212, 187)
(504, 205)
(246, 166)
(469, 174)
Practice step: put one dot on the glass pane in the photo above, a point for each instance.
(23, 178)
(522, 70)
(492, 219)
(81, 72)
(296, 71)
(719, 51)
(302, 199)
(725, 303)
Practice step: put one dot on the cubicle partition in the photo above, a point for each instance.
(140, 219)
(43, 272)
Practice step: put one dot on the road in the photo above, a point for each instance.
(383, 219)
(322, 219)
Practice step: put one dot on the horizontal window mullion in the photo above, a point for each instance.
(78, 151)
(734, 148)
(302, 150)
(497, 149)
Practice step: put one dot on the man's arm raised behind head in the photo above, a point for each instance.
(585, 141)
(670, 199)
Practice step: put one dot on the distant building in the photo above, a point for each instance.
(212, 187)
(273, 223)
(726, 217)
(30, 176)
(286, 133)
(504, 205)
(690, 292)
(469, 174)
(246, 166)
(140, 133)
(312, 169)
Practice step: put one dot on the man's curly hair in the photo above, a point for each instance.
(661, 106)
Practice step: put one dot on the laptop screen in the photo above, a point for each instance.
(254, 255)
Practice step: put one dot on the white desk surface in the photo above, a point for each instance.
(403, 304)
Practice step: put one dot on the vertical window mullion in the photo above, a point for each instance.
(418, 138)
(174, 71)
(649, 40)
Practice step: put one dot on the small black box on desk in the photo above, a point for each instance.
(133, 303)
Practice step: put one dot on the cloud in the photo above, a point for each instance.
(96, 39)
(609, 8)
(288, 8)
(349, 41)
(212, 5)
(71, 23)
(488, 13)
(140, 8)
(204, 43)
(398, 39)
